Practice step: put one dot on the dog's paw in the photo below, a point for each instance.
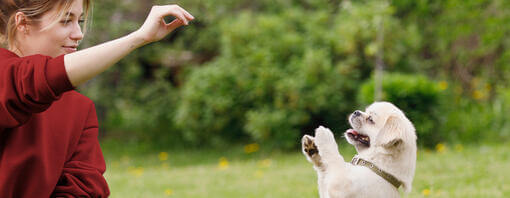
(325, 142)
(324, 137)
(310, 149)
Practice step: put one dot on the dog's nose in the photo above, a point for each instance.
(356, 113)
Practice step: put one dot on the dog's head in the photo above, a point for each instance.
(381, 125)
(383, 133)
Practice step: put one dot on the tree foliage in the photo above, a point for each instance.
(270, 71)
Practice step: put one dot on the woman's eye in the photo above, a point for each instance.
(65, 22)
(81, 21)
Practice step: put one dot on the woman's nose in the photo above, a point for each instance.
(77, 34)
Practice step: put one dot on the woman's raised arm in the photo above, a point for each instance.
(85, 64)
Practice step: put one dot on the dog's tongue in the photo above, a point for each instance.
(353, 131)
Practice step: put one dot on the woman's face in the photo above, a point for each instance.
(54, 39)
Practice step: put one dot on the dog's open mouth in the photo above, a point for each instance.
(354, 135)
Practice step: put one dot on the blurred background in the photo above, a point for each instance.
(217, 109)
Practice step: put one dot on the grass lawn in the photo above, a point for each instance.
(447, 171)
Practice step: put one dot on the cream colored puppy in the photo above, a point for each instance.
(386, 143)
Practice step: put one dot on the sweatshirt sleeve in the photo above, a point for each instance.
(82, 175)
(29, 85)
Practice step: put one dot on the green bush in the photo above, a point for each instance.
(417, 96)
(279, 76)
(264, 87)
(476, 119)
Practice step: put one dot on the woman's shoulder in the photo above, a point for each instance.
(11, 58)
(75, 97)
(6, 53)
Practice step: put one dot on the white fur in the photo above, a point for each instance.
(392, 149)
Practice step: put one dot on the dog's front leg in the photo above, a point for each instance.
(328, 149)
(332, 162)
(310, 151)
(312, 154)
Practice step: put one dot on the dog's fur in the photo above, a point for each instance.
(392, 148)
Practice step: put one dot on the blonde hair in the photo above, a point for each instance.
(33, 10)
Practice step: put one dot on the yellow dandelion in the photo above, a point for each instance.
(164, 165)
(265, 163)
(425, 192)
(223, 163)
(169, 192)
(251, 148)
(443, 85)
(136, 171)
(477, 95)
(459, 147)
(258, 174)
(163, 156)
(440, 148)
(488, 87)
(139, 172)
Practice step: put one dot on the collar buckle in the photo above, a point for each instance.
(355, 161)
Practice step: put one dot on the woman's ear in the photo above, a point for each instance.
(390, 136)
(21, 22)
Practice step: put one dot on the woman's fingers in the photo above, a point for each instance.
(155, 27)
(177, 12)
(174, 25)
(188, 15)
(185, 13)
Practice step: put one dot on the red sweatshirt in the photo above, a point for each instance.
(48, 132)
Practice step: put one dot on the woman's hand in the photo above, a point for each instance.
(154, 28)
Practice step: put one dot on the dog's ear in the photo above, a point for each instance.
(390, 136)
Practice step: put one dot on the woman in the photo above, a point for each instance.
(48, 131)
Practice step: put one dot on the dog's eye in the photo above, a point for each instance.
(370, 119)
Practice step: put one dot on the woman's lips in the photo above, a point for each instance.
(69, 49)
